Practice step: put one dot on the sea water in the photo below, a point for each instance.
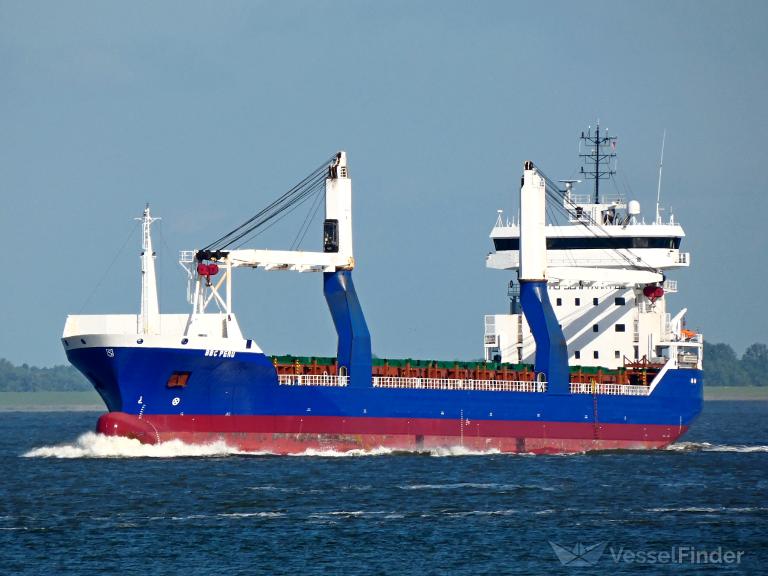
(74, 502)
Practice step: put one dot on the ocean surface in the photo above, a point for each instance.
(72, 502)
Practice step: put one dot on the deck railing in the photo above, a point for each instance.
(687, 360)
(612, 389)
(458, 384)
(312, 380)
(461, 384)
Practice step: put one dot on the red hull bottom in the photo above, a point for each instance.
(295, 435)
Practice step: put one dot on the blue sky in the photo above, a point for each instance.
(209, 110)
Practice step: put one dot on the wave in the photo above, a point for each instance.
(707, 447)
(506, 512)
(252, 514)
(383, 451)
(709, 510)
(475, 485)
(93, 445)
(330, 453)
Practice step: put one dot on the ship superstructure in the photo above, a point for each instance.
(607, 271)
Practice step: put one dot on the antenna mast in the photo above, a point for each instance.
(596, 158)
(150, 312)
(658, 190)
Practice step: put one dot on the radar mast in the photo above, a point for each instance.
(598, 153)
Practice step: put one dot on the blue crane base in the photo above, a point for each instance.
(354, 348)
(551, 350)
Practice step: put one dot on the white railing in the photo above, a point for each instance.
(687, 360)
(312, 380)
(187, 256)
(458, 384)
(670, 286)
(613, 199)
(462, 384)
(612, 389)
(581, 199)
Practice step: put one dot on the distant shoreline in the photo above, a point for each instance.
(51, 401)
(736, 393)
(90, 401)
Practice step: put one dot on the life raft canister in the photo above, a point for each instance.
(653, 292)
(207, 269)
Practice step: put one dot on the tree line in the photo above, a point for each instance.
(722, 366)
(27, 378)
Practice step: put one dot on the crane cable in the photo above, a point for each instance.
(275, 211)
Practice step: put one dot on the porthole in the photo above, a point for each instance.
(140, 341)
(184, 340)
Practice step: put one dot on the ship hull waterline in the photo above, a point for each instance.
(300, 434)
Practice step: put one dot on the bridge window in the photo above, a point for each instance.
(616, 354)
(620, 328)
(577, 354)
(578, 302)
(559, 301)
(621, 301)
(595, 354)
(595, 328)
(595, 243)
(594, 301)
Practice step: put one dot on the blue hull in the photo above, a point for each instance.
(133, 381)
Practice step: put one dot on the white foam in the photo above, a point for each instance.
(461, 451)
(252, 514)
(345, 514)
(437, 486)
(507, 512)
(383, 451)
(473, 485)
(272, 488)
(330, 453)
(709, 510)
(92, 445)
(707, 447)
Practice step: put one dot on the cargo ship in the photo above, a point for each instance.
(587, 357)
